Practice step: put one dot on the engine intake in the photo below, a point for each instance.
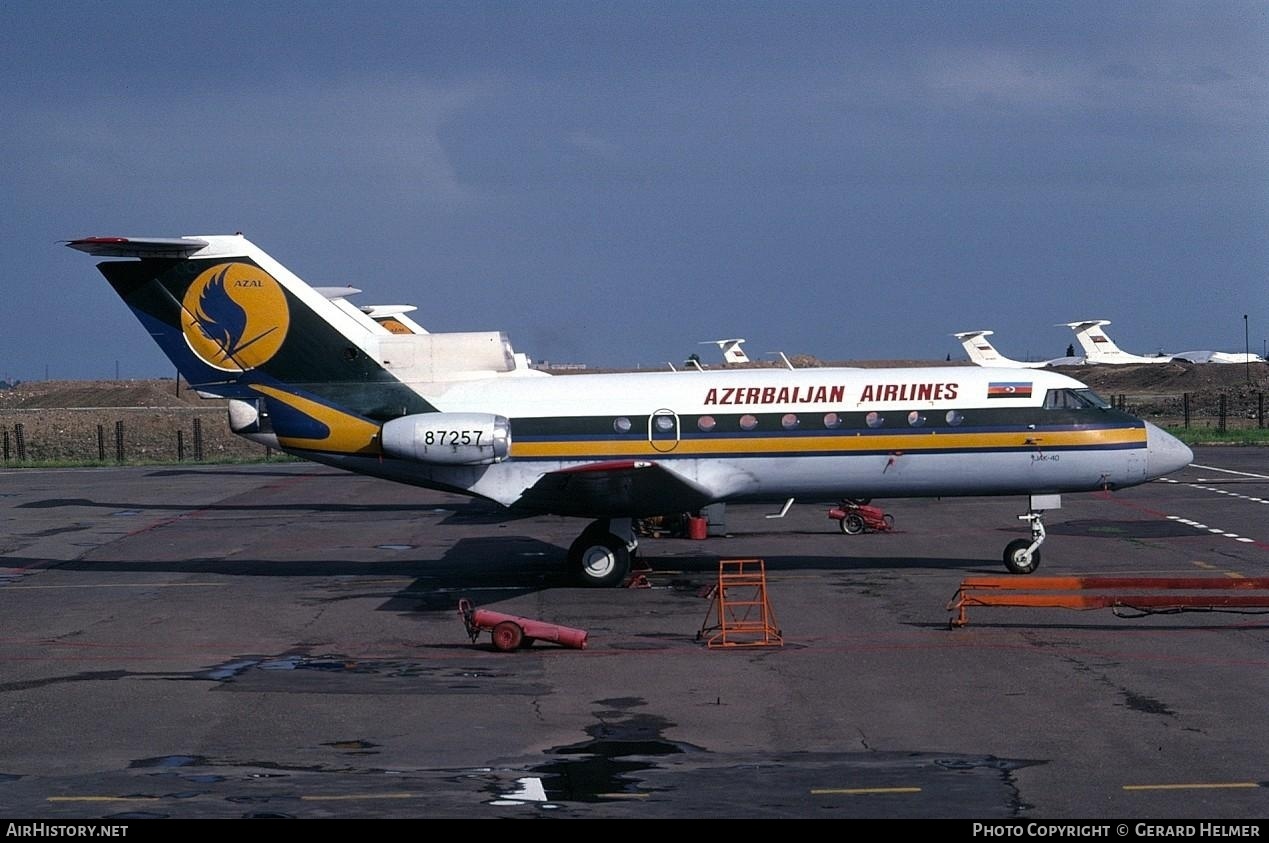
(448, 438)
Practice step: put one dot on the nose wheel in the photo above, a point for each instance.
(1023, 556)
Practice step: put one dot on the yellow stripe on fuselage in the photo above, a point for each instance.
(349, 434)
(846, 443)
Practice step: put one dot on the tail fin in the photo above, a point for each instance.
(983, 353)
(231, 318)
(1100, 348)
(731, 349)
(237, 324)
(1091, 337)
(300, 364)
(979, 348)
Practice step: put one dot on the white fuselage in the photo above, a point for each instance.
(770, 434)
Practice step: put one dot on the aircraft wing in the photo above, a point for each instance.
(624, 488)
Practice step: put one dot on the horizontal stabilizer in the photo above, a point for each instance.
(139, 247)
(337, 292)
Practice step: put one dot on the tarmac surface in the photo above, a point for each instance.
(283, 640)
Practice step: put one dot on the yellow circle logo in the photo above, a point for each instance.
(235, 317)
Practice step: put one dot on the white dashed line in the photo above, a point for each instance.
(1229, 471)
(1201, 483)
(1214, 530)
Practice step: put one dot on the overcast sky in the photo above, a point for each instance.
(613, 182)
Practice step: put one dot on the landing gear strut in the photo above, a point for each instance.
(601, 555)
(1022, 556)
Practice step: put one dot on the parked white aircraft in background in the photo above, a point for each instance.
(393, 317)
(983, 353)
(1100, 348)
(732, 352)
(455, 411)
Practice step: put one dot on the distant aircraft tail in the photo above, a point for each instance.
(979, 348)
(983, 353)
(731, 349)
(237, 324)
(1096, 344)
(1100, 348)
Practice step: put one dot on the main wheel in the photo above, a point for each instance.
(1016, 558)
(599, 559)
(507, 636)
(889, 520)
(852, 525)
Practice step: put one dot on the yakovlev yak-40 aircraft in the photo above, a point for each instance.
(324, 381)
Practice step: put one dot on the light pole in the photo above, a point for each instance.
(1246, 349)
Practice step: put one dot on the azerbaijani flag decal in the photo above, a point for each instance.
(1009, 389)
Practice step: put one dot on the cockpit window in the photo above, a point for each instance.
(1093, 399)
(1074, 399)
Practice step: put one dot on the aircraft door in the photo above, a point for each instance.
(663, 430)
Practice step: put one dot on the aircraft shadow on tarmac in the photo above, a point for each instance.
(495, 567)
(231, 472)
(467, 512)
(1157, 529)
(499, 569)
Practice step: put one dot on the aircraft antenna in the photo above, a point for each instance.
(782, 357)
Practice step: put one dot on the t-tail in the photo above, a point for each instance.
(1100, 348)
(983, 353)
(302, 371)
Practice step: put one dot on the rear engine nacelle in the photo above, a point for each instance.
(448, 438)
(249, 420)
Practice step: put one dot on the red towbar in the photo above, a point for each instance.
(510, 631)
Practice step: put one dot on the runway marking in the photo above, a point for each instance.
(1208, 566)
(347, 797)
(1199, 484)
(855, 791)
(1214, 530)
(1194, 786)
(1229, 471)
(103, 799)
(121, 585)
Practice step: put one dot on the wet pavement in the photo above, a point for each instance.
(283, 640)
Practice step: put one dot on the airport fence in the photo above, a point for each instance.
(1215, 410)
(122, 435)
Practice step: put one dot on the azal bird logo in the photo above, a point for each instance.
(235, 317)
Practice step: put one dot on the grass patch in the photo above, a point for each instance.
(1212, 436)
(76, 463)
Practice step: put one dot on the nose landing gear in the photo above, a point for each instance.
(1023, 556)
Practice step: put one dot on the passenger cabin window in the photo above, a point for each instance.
(1074, 399)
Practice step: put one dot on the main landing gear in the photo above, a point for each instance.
(602, 554)
(1023, 556)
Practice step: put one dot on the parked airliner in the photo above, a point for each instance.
(983, 353)
(454, 411)
(1100, 348)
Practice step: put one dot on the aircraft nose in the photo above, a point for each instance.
(1164, 452)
